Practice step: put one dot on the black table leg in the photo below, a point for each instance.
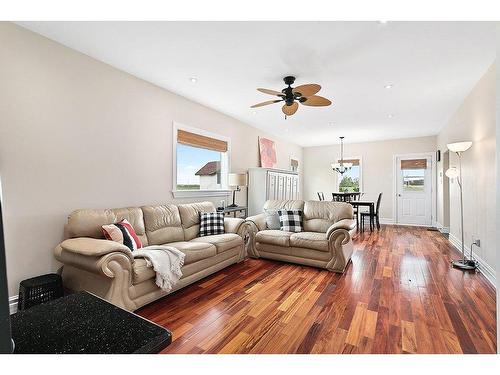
(371, 218)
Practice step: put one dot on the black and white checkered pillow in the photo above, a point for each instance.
(291, 220)
(211, 223)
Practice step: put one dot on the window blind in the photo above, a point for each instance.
(414, 164)
(201, 141)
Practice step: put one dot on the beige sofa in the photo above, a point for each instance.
(326, 241)
(108, 268)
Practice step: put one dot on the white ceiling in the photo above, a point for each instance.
(433, 66)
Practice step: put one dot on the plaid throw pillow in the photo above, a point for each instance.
(211, 223)
(291, 220)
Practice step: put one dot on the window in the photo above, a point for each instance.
(413, 173)
(201, 162)
(351, 180)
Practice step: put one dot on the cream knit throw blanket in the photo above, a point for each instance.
(166, 262)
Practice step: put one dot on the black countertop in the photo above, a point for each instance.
(85, 323)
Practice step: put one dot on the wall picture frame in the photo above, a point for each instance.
(267, 150)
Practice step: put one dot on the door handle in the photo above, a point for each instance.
(399, 195)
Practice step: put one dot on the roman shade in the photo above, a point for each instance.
(354, 162)
(200, 141)
(414, 164)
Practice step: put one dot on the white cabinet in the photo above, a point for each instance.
(265, 184)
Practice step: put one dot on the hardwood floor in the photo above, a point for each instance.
(399, 295)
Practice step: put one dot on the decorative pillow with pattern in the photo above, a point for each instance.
(291, 220)
(122, 232)
(211, 223)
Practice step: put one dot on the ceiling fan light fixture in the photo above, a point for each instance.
(303, 94)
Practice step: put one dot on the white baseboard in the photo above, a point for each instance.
(390, 221)
(13, 304)
(441, 228)
(488, 272)
(387, 221)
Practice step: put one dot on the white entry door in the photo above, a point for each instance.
(414, 190)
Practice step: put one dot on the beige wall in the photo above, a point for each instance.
(77, 133)
(474, 121)
(377, 167)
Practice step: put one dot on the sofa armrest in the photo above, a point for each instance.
(100, 266)
(94, 247)
(258, 222)
(347, 224)
(232, 224)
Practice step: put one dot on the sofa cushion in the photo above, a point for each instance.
(222, 242)
(88, 222)
(309, 240)
(273, 237)
(320, 215)
(163, 224)
(194, 251)
(283, 204)
(190, 217)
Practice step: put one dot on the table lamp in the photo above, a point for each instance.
(453, 172)
(236, 180)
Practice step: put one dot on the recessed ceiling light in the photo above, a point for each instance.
(193, 79)
(331, 123)
(390, 115)
(383, 22)
(254, 113)
(389, 86)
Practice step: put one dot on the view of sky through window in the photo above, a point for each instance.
(189, 161)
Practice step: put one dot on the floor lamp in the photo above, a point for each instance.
(453, 172)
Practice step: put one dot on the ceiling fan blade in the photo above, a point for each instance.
(271, 92)
(290, 109)
(265, 103)
(307, 90)
(316, 101)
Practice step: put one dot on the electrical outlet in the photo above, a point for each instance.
(478, 242)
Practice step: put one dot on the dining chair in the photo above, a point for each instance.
(321, 196)
(376, 215)
(337, 197)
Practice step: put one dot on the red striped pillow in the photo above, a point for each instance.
(122, 232)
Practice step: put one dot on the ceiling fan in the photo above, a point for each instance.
(303, 94)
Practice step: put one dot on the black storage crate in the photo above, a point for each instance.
(39, 289)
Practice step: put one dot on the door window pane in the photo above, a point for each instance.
(413, 180)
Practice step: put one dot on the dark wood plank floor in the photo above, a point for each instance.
(399, 295)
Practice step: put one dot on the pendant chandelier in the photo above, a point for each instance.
(341, 167)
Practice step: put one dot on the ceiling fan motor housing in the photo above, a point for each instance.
(289, 80)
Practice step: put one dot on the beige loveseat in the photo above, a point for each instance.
(108, 268)
(326, 241)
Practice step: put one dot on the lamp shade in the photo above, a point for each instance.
(451, 172)
(237, 179)
(459, 146)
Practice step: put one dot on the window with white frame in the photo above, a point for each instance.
(351, 180)
(201, 160)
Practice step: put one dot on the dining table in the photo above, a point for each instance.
(346, 196)
(371, 207)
